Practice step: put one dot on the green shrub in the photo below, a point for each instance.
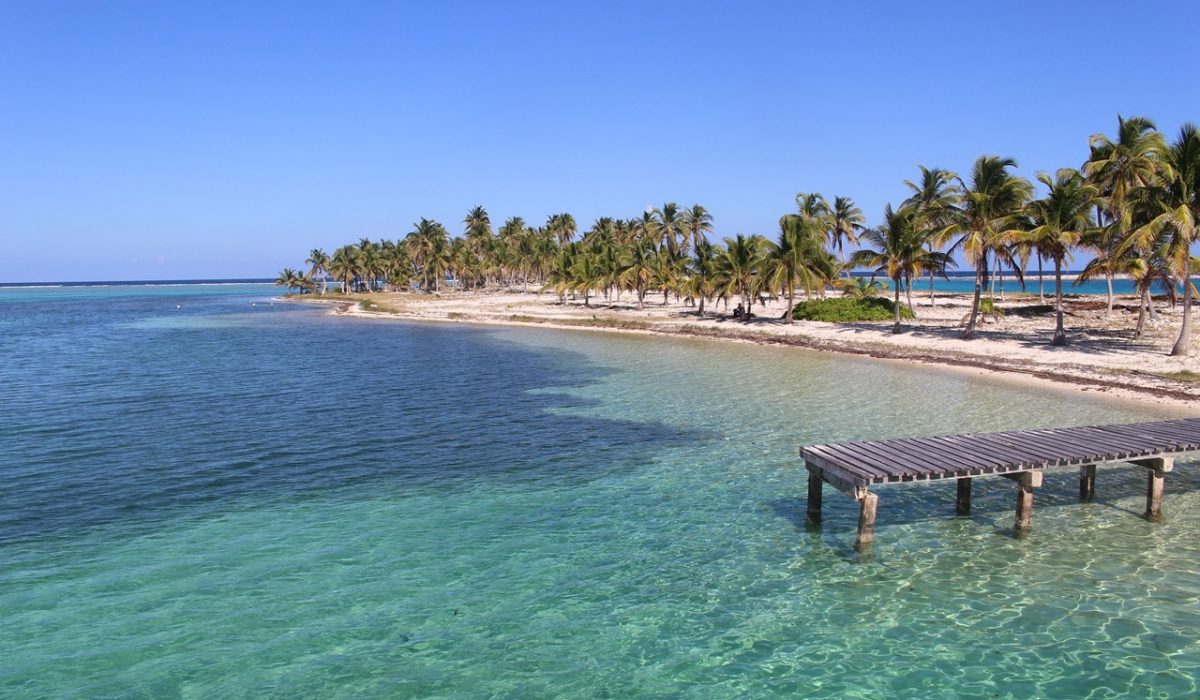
(1032, 310)
(848, 309)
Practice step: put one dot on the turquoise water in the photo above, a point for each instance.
(238, 499)
(966, 285)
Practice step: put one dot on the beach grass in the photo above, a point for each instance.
(1183, 375)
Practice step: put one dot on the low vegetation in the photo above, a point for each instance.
(594, 322)
(1184, 375)
(848, 310)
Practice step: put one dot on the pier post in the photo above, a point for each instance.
(866, 521)
(815, 484)
(1158, 467)
(1026, 483)
(1154, 494)
(1087, 482)
(962, 500)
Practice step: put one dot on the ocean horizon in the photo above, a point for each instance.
(141, 283)
(954, 282)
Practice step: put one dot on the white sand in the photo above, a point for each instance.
(1101, 356)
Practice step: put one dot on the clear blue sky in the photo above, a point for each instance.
(152, 140)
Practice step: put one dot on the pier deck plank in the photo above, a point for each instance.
(863, 463)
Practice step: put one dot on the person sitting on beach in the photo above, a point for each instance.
(739, 311)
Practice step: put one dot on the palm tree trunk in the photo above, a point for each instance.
(1137, 332)
(1041, 282)
(969, 333)
(791, 295)
(931, 302)
(1183, 346)
(1108, 276)
(896, 305)
(908, 293)
(701, 311)
(1060, 335)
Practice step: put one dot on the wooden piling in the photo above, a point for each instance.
(815, 485)
(1087, 482)
(962, 500)
(866, 520)
(1026, 483)
(1158, 467)
(1154, 494)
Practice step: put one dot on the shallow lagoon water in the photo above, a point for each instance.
(245, 501)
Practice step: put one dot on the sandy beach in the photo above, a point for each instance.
(1101, 357)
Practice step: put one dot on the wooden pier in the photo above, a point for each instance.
(854, 467)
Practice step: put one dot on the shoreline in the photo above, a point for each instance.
(917, 347)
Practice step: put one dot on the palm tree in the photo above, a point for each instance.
(291, 279)
(318, 260)
(1060, 220)
(344, 266)
(696, 223)
(669, 227)
(397, 265)
(1147, 267)
(936, 199)
(368, 263)
(739, 265)
(798, 258)
(511, 236)
(1176, 204)
(563, 227)
(429, 247)
(703, 271)
(479, 236)
(812, 206)
(1118, 169)
(635, 268)
(845, 221)
(559, 278)
(667, 273)
(990, 204)
(899, 252)
(478, 224)
(860, 288)
(586, 275)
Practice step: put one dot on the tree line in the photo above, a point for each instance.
(1133, 205)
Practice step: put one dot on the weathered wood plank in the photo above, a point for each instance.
(866, 456)
(835, 475)
(976, 454)
(981, 463)
(832, 457)
(1108, 442)
(887, 456)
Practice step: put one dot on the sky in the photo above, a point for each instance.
(152, 140)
